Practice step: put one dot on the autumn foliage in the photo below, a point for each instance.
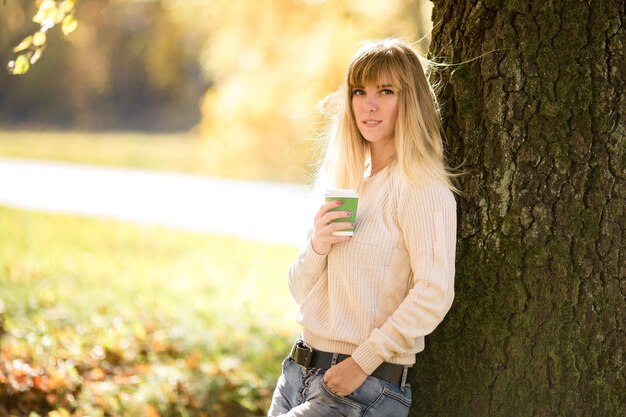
(144, 371)
(99, 318)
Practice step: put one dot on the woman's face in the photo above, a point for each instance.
(375, 109)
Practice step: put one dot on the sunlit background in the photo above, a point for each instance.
(117, 315)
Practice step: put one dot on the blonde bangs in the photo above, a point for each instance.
(374, 67)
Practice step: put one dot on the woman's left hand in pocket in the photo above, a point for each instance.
(345, 377)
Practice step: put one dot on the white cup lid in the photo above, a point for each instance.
(346, 193)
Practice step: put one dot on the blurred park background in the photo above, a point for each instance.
(106, 318)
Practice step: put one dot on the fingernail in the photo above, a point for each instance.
(349, 213)
(339, 202)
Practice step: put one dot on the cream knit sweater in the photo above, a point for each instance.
(378, 294)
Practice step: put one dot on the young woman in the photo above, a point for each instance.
(367, 301)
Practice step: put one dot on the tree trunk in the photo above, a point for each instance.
(534, 106)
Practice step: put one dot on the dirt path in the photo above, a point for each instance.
(266, 211)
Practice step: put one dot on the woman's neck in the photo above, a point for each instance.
(380, 157)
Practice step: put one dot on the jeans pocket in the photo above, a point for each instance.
(345, 406)
(363, 397)
(403, 397)
(392, 403)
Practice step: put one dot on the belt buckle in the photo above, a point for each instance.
(302, 353)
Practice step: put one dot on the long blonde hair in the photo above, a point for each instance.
(418, 141)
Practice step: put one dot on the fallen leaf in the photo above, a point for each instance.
(151, 411)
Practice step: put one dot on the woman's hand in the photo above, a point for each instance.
(345, 377)
(322, 238)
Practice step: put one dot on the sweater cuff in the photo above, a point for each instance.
(367, 358)
(312, 258)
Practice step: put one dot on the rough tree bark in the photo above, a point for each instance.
(538, 116)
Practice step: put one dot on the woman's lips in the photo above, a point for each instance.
(370, 122)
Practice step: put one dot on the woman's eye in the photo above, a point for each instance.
(387, 91)
(358, 92)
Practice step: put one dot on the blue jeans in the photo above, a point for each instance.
(302, 393)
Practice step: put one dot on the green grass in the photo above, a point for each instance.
(105, 318)
(172, 152)
(182, 152)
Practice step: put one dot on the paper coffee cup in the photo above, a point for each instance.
(350, 201)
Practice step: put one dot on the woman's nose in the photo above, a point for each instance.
(371, 104)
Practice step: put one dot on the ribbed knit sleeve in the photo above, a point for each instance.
(305, 271)
(426, 216)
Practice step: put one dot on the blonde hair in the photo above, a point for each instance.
(418, 141)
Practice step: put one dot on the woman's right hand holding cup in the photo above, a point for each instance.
(323, 238)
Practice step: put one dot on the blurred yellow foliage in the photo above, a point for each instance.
(255, 69)
(49, 13)
(272, 61)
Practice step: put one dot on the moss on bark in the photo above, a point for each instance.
(538, 327)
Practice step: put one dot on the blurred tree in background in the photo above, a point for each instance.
(247, 75)
(130, 65)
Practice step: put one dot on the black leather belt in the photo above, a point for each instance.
(307, 357)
